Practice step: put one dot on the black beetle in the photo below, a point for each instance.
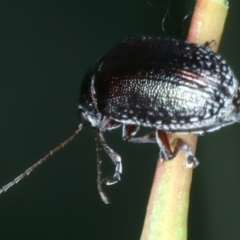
(169, 85)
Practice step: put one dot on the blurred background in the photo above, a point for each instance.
(45, 49)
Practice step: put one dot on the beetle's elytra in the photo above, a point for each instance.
(165, 84)
(169, 85)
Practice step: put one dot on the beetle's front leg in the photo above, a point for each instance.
(115, 158)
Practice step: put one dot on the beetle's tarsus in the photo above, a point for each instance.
(191, 162)
(210, 44)
(113, 179)
(166, 155)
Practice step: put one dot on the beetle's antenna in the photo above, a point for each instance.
(166, 14)
(185, 18)
(39, 162)
(99, 171)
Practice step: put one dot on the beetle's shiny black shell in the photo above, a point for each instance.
(171, 85)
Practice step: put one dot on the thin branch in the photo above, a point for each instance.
(167, 210)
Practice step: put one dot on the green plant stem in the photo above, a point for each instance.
(167, 210)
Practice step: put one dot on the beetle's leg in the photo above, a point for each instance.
(210, 44)
(166, 153)
(164, 145)
(115, 158)
(148, 138)
(130, 130)
(99, 171)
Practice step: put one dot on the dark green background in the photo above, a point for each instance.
(45, 49)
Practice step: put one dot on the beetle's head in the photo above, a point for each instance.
(89, 114)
